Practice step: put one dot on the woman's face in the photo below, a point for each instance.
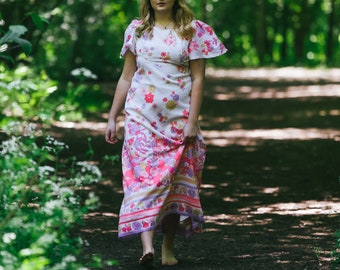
(162, 5)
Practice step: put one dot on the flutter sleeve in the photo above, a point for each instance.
(205, 43)
(130, 38)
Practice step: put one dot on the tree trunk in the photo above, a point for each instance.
(284, 46)
(331, 21)
(204, 10)
(300, 32)
(260, 28)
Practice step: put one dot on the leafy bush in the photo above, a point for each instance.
(29, 96)
(32, 95)
(24, 95)
(336, 251)
(41, 197)
(12, 37)
(40, 203)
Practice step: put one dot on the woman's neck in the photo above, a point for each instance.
(163, 19)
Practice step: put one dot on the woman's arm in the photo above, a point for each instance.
(197, 75)
(122, 88)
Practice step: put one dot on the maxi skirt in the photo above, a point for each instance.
(160, 177)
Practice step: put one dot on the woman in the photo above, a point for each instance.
(163, 153)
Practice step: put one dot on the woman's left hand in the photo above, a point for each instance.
(190, 132)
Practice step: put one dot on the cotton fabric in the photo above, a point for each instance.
(162, 174)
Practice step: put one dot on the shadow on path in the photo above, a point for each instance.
(271, 181)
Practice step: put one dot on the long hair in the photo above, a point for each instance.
(181, 15)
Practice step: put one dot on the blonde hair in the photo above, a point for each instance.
(181, 14)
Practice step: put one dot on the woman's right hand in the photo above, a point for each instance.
(110, 133)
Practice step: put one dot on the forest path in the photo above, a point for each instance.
(271, 181)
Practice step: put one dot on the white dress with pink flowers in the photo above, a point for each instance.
(161, 174)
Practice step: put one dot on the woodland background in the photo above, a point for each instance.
(271, 120)
(89, 33)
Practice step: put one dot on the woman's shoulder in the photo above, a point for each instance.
(202, 28)
(199, 24)
(134, 24)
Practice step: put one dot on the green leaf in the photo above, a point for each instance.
(7, 58)
(18, 29)
(9, 37)
(25, 45)
(35, 263)
(14, 32)
(38, 21)
(337, 234)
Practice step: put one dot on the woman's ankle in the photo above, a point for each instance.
(168, 256)
(147, 242)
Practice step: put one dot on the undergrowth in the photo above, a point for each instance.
(40, 201)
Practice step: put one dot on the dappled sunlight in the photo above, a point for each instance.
(80, 125)
(100, 214)
(285, 74)
(230, 199)
(278, 92)
(269, 182)
(269, 190)
(206, 186)
(278, 83)
(88, 125)
(100, 218)
(250, 137)
(311, 207)
(264, 216)
(211, 167)
(231, 137)
(236, 220)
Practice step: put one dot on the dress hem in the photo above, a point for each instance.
(196, 223)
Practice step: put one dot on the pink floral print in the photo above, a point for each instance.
(161, 174)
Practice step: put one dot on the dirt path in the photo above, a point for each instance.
(271, 182)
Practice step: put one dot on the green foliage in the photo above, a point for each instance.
(83, 34)
(14, 36)
(26, 98)
(40, 203)
(89, 33)
(38, 21)
(35, 97)
(336, 251)
(41, 195)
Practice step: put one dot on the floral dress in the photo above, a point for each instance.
(161, 174)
